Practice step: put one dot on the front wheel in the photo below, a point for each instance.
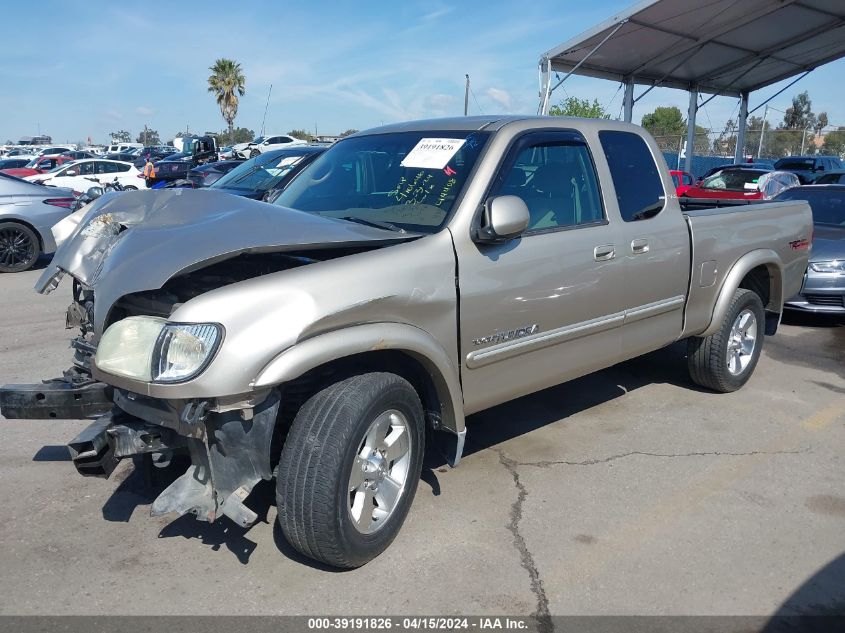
(725, 360)
(19, 247)
(253, 153)
(350, 467)
(130, 188)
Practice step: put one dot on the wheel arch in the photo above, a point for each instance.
(405, 349)
(760, 271)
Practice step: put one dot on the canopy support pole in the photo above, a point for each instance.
(739, 152)
(628, 102)
(545, 86)
(544, 101)
(693, 109)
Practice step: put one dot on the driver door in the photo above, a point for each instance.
(547, 306)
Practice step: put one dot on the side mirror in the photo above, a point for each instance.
(270, 195)
(505, 217)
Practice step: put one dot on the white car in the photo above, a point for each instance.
(54, 150)
(81, 175)
(120, 148)
(265, 144)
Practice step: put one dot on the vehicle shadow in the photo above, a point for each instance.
(485, 429)
(52, 453)
(817, 605)
(529, 413)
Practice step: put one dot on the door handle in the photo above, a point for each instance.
(604, 252)
(638, 247)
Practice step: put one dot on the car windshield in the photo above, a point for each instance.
(261, 173)
(400, 180)
(733, 180)
(258, 139)
(828, 205)
(61, 166)
(33, 163)
(794, 163)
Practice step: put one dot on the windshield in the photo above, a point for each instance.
(794, 163)
(258, 139)
(828, 205)
(733, 180)
(261, 173)
(404, 180)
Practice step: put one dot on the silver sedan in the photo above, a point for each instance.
(823, 289)
(27, 212)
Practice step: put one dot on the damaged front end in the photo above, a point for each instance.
(230, 451)
(145, 255)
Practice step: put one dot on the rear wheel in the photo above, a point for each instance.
(725, 360)
(350, 467)
(19, 247)
(130, 188)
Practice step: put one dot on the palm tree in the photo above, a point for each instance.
(227, 82)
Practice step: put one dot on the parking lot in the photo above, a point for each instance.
(626, 492)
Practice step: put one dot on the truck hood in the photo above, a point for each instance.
(828, 243)
(135, 241)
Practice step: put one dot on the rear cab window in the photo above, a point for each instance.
(636, 179)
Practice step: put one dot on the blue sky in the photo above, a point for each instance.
(337, 65)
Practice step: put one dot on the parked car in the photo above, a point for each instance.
(78, 154)
(39, 165)
(206, 175)
(82, 174)
(263, 144)
(13, 163)
(27, 212)
(196, 151)
(24, 152)
(54, 150)
(832, 178)
(119, 148)
(823, 289)
(124, 157)
(155, 153)
(683, 181)
(407, 277)
(225, 153)
(765, 166)
(258, 176)
(729, 184)
(808, 168)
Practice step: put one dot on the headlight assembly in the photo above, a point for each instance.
(152, 350)
(835, 266)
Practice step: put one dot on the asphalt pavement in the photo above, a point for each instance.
(629, 491)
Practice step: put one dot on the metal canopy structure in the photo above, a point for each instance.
(719, 47)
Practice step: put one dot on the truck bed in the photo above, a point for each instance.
(721, 236)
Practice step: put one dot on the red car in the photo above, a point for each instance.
(731, 184)
(683, 181)
(39, 165)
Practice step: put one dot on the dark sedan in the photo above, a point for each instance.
(824, 284)
(207, 175)
(267, 172)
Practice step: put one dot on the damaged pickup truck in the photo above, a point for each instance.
(429, 270)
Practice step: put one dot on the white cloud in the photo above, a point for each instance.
(144, 111)
(501, 97)
(437, 13)
(113, 115)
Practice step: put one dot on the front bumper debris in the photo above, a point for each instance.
(57, 398)
(229, 452)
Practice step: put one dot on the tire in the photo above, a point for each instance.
(253, 153)
(130, 188)
(19, 247)
(322, 478)
(742, 332)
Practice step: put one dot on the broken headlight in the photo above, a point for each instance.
(151, 349)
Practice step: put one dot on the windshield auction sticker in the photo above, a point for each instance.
(432, 153)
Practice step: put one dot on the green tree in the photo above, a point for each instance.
(301, 134)
(227, 81)
(149, 137)
(834, 142)
(573, 106)
(121, 136)
(669, 128)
